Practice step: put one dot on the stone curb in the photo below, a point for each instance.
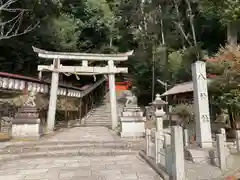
(57, 143)
(61, 154)
(13, 150)
(153, 165)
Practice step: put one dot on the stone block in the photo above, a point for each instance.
(29, 131)
(132, 134)
(132, 113)
(131, 106)
(132, 119)
(72, 123)
(204, 156)
(132, 128)
(198, 155)
(132, 109)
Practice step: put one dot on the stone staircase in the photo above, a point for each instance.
(51, 149)
(101, 114)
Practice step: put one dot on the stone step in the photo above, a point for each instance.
(65, 142)
(98, 122)
(66, 147)
(99, 117)
(67, 153)
(105, 118)
(97, 125)
(101, 112)
(100, 107)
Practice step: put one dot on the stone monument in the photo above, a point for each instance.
(201, 105)
(132, 120)
(202, 119)
(26, 123)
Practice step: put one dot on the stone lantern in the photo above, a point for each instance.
(159, 113)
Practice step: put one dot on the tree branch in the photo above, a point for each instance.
(179, 26)
(11, 28)
(191, 18)
(7, 4)
(161, 24)
(27, 30)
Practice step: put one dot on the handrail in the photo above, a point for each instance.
(94, 86)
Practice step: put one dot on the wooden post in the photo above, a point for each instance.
(91, 100)
(66, 109)
(53, 96)
(80, 111)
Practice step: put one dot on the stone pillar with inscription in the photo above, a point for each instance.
(201, 105)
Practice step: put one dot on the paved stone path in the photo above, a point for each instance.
(85, 133)
(127, 166)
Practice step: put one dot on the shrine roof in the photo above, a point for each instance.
(181, 88)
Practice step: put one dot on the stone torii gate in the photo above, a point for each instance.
(84, 69)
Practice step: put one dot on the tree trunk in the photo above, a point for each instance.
(231, 118)
(232, 33)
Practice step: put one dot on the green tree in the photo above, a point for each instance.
(16, 51)
(224, 89)
(228, 13)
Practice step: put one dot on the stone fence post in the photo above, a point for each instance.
(238, 140)
(147, 143)
(168, 153)
(186, 137)
(221, 151)
(178, 161)
(148, 112)
(223, 132)
(158, 143)
(159, 114)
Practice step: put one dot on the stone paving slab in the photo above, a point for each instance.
(85, 133)
(126, 167)
(118, 167)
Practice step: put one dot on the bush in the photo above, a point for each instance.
(184, 111)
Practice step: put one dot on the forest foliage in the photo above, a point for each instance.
(165, 35)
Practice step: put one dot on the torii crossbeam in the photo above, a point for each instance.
(84, 69)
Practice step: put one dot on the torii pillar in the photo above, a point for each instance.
(112, 94)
